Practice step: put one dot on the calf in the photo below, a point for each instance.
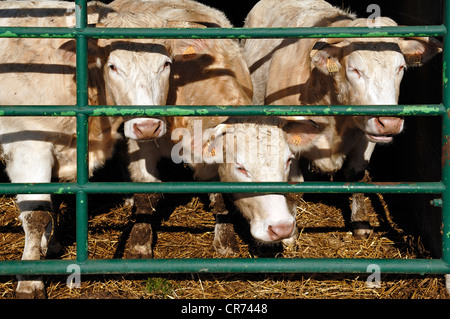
(328, 72)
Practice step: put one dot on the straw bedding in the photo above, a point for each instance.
(185, 229)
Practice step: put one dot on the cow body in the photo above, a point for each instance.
(42, 72)
(330, 72)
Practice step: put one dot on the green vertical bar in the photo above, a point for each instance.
(446, 141)
(82, 98)
(82, 132)
(82, 85)
(82, 102)
(82, 229)
(82, 150)
(81, 14)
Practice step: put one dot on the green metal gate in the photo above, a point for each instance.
(83, 187)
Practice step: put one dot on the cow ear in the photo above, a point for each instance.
(300, 131)
(214, 145)
(188, 49)
(67, 51)
(419, 50)
(326, 59)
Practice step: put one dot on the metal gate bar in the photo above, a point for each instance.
(83, 187)
(223, 33)
(82, 132)
(446, 143)
(224, 265)
(224, 187)
(217, 110)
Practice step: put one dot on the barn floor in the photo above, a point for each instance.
(186, 231)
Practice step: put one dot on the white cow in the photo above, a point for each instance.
(42, 72)
(332, 71)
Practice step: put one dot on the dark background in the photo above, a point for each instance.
(412, 12)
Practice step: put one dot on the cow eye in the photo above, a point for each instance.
(241, 169)
(355, 72)
(167, 64)
(288, 162)
(112, 67)
(401, 68)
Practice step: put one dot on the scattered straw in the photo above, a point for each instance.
(187, 231)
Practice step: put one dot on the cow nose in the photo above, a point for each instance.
(388, 125)
(280, 231)
(147, 129)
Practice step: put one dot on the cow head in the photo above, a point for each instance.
(369, 72)
(155, 81)
(136, 71)
(256, 150)
(142, 69)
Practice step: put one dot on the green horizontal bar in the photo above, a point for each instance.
(219, 187)
(279, 110)
(37, 32)
(216, 110)
(222, 265)
(224, 33)
(264, 33)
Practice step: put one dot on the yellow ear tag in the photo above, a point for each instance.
(295, 139)
(332, 66)
(415, 59)
(189, 52)
(211, 150)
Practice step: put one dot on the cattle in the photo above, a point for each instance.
(217, 75)
(42, 72)
(332, 71)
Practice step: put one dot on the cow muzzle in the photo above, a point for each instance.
(144, 128)
(272, 232)
(382, 129)
(281, 231)
(270, 218)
